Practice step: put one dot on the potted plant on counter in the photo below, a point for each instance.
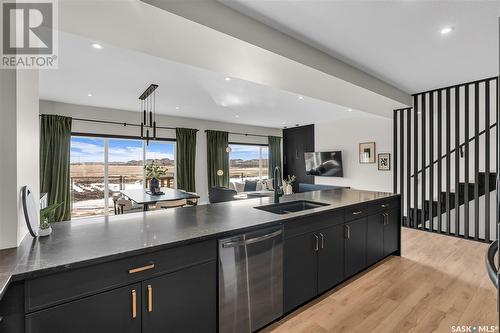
(47, 216)
(154, 172)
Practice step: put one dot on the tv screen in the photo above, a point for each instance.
(328, 164)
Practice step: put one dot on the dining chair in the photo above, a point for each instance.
(171, 204)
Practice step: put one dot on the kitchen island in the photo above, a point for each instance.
(94, 267)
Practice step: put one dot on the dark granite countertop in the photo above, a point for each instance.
(92, 240)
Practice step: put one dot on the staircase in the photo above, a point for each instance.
(461, 200)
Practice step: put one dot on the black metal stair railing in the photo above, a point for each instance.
(432, 169)
(490, 263)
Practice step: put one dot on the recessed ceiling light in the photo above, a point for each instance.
(177, 107)
(89, 94)
(446, 30)
(97, 46)
(283, 123)
(227, 78)
(301, 97)
(237, 116)
(349, 110)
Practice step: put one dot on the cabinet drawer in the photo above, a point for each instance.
(61, 287)
(306, 224)
(383, 205)
(356, 212)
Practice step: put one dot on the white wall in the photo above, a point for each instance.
(346, 135)
(90, 112)
(19, 145)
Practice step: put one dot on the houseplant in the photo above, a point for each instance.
(47, 216)
(154, 172)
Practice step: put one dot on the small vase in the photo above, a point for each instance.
(154, 184)
(44, 232)
(288, 189)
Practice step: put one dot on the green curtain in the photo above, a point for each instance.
(217, 158)
(186, 156)
(55, 143)
(274, 153)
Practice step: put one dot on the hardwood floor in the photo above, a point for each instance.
(438, 282)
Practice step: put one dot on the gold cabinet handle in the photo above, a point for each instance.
(316, 246)
(134, 304)
(150, 298)
(322, 240)
(141, 269)
(384, 205)
(357, 212)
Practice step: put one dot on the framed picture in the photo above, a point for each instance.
(384, 161)
(367, 152)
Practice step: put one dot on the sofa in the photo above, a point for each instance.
(303, 187)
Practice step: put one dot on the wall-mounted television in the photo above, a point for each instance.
(326, 164)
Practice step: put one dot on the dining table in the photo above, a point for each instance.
(142, 196)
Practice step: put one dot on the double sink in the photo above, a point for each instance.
(291, 207)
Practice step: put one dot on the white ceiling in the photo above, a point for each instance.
(116, 76)
(396, 41)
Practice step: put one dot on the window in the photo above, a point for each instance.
(122, 160)
(162, 153)
(87, 176)
(248, 162)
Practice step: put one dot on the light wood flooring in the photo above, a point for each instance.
(439, 281)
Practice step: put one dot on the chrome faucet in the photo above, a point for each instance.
(278, 190)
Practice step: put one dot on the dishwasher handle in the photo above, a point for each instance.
(253, 240)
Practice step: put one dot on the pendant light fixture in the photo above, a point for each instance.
(148, 108)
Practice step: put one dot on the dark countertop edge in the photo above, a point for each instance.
(127, 254)
(5, 286)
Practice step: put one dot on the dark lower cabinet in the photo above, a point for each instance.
(355, 246)
(300, 270)
(391, 232)
(184, 301)
(375, 238)
(118, 310)
(314, 263)
(330, 257)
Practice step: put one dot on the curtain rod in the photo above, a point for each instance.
(162, 127)
(247, 134)
(115, 123)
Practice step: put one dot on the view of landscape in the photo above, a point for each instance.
(248, 162)
(124, 168)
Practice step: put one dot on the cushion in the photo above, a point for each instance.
(260, 186)
(250, 185)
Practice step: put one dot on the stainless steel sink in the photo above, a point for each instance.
(291, 207)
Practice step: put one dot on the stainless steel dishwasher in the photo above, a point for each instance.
(250, 280)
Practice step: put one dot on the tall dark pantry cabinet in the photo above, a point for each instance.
(297, 141)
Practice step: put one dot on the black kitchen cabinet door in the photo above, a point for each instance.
(297, 141)
(111, 311)
(183, 301)
(375, 238)
(300, 272)
(355, 246)
(330, 257)
(391, 232)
